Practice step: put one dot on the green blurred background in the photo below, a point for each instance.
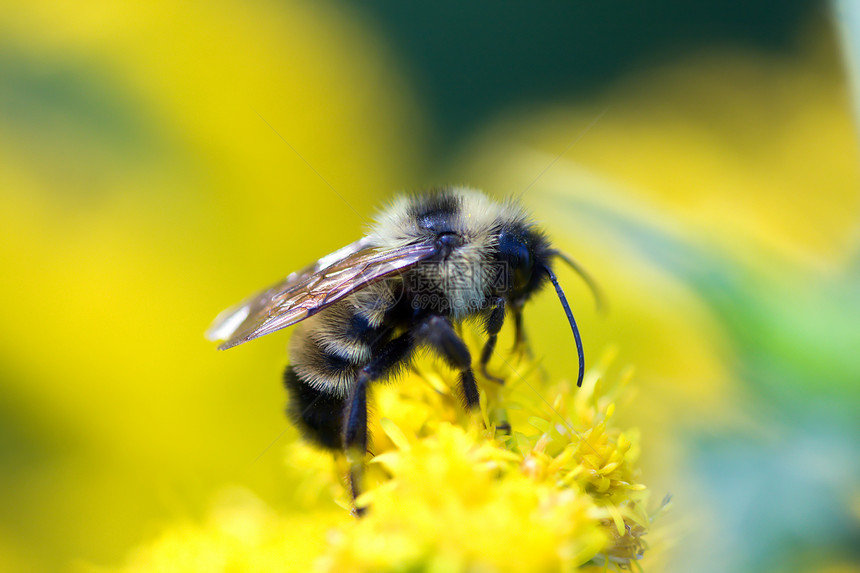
(158, 162)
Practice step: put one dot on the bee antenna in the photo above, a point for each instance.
(580, 354)
(596, 291)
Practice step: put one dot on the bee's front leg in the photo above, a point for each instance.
(492, 326)
(521, 345)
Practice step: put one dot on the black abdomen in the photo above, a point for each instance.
(319, 415)
(326, 353)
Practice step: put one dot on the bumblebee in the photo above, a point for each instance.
(430, 261)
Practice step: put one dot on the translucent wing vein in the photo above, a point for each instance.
(308, 291)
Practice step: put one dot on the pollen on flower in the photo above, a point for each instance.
(555, 489)
(539, 480)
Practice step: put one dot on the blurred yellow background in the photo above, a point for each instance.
(160, 162)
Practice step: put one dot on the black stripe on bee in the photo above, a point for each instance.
(316, 413)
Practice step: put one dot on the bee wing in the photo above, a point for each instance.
(228, 321)
(306, 292)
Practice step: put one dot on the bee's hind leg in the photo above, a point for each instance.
(355, 436)
(387, 357)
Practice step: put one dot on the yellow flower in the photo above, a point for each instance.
(241, 534)
(539, 480)
(557, 492)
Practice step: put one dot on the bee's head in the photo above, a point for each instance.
(524, 255)
(525, 258)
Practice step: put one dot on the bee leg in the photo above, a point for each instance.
(438, 332)
(388, 356)
(521, 345)
(492, 326)
(355, 437)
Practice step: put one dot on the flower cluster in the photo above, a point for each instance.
(538, 480)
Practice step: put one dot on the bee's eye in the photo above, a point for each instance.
(515, 254)
(522, 271)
